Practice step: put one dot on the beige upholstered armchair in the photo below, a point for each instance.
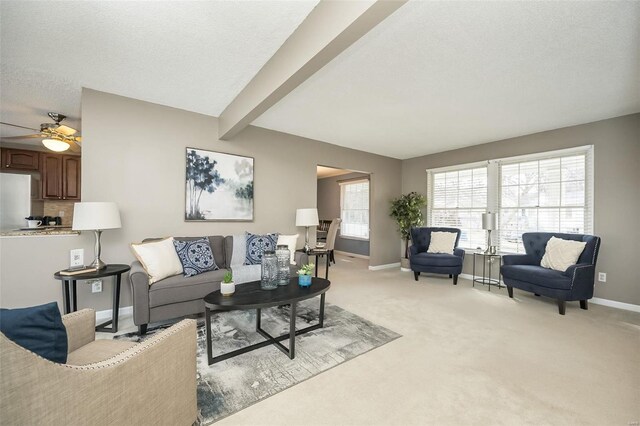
(104, 382)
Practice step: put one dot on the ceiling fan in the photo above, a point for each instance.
(55, 136)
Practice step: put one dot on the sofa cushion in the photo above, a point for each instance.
(257, 245)
(560, 254)
(217, 247)
(537, 275)
(98, 350)
(436, 259)
(178, 288)
(159, 258)
(442, 242)
(196, 256)
(38, 329)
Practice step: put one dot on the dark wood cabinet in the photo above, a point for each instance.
(20, 159)
(60, 177)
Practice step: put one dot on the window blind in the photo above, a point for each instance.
(354, 209)
(457, 199)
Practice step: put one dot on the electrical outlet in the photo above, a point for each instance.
(96, 286)
(61, 213)
(76, 258)
(602, 277)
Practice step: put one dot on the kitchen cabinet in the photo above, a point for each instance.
(60, 176)
(20, 159)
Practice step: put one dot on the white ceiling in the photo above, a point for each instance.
(436, 76)
(191, 55)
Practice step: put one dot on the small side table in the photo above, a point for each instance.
(69, 285)
(486, 278)
(318, 252)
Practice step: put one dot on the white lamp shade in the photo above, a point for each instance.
(95, 215)
(489, 221)
(307, 217)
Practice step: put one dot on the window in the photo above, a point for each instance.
(543, 195)
(548, 192)
(459, 197)
(354, 209)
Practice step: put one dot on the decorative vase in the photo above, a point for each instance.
(227, 289)
(269, 273)
(304, 280)
(284, 258)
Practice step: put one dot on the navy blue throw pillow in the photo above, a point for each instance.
(257, 245)
(196, 256)
(38, 329)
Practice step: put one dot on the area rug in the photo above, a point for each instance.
(234, 384)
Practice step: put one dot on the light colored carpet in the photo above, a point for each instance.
(467, 356)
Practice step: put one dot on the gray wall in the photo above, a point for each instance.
(616, 189)
(329, 208)
(134, 154)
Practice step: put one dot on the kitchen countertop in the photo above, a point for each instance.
(41, 231)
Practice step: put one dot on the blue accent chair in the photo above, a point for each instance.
(576, 283)
(437, 263)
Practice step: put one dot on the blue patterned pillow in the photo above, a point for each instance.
(257, 245)
(196, 256)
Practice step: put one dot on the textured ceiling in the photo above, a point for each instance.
(436, 76)
(191, 55)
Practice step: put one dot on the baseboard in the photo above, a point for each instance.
(615, 304)
(405, 269)
(105, 315)
(387, 266)
(346, 253)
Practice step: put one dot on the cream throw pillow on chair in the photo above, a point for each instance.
(159, 259)
(442, 242)
(560, 254)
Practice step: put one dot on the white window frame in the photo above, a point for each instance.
(494, 187)
(343, 186)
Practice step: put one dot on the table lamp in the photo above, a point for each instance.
(96, 216)
(307, 218)
(489, 224)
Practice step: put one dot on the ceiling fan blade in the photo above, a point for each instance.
(73, 146)
(78, 140)
(21, 127)
(66, 130)
(15, 138)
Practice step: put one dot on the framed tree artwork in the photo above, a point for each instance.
(219, 186)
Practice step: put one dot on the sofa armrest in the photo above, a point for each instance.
(582, 280)
(519, 259)
(459, 252)
(301, 258)
(153, 382)
(81, 328)
(413, 250)
(139, 280)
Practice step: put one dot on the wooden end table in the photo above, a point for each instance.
(69, 285)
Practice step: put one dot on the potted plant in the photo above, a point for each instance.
(304, 275)
(227, 286)
(407, 212)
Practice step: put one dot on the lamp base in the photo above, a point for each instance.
(98, 264)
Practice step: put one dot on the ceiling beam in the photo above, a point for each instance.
(330, 28)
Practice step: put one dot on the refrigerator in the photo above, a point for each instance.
(15, 200)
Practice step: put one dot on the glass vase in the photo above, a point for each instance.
(269, 272)
(284, 258)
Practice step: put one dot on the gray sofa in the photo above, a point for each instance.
(178, 295)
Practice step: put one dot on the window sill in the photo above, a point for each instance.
(347, 237)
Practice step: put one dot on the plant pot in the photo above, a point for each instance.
(404, 263)
(304, 280)
(227, 289)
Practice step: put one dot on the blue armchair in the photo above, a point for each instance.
(576, 283)
(437, 263)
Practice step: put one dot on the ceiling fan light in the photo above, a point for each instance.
(55, 145)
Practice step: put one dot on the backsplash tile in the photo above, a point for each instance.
(53, 208)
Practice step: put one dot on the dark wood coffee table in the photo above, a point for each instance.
(251, 296)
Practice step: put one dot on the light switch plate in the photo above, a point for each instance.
(76, 258)
(96, 286)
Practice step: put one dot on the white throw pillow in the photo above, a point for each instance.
(560, 254)
(442, 242)
(159, 259)
(291, 242)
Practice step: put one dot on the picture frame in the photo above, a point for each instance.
(218, 186)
